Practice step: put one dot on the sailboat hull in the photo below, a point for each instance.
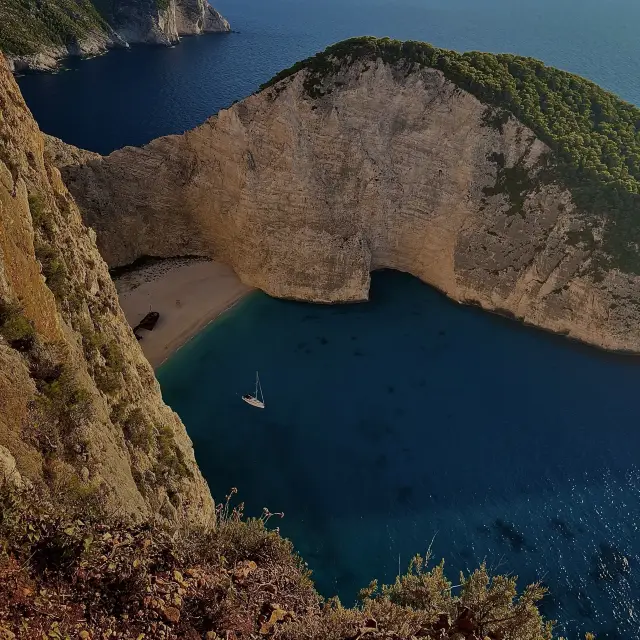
(254, 402)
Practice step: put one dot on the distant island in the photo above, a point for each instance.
(38, 35)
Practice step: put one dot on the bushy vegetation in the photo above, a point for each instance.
(53, 269)
(15, 328)
(61, 404)
(26, 26)
(108, 376)
(68, 574)
(595, 136)
(170, 457)
(138, 430)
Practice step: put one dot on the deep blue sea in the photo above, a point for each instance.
(131, 97)
(409, 422)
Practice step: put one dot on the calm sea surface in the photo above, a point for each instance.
(409, 421)
(412, 421)
(130, 97)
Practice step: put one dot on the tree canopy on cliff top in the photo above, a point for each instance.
(26, 27)
(595, 136)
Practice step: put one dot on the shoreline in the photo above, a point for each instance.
(206, 322)
(188, 293)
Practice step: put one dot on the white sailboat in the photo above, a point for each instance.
(255, 400)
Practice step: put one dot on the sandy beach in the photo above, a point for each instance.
(188, 294)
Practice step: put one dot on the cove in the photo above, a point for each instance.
(411, 422)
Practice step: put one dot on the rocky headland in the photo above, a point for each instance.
(81, 413)
(38, 39)
(369, 157)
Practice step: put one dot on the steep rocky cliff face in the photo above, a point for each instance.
(198, 16)
(163, 22)
(80, 410)
(382, 168)
(38, 38)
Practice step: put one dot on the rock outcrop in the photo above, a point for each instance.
(150, 21)
(81, 413)
(383, 168)
(47, 56)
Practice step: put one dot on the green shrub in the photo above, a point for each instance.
(15, 328)
(37, 208)
(170, 456)
(40, 214)
(118, 413)
(54, 270)
(107, 380)
(138, 430)
(65, 399)
(92, 340)
(108, 377)
(113, 356)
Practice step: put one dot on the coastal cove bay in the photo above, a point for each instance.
(411, 421)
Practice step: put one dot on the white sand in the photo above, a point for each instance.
(188, 294)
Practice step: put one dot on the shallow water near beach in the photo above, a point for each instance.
(412, 422)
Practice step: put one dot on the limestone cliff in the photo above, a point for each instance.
(151, 21)
(38, 38)
(81, 413)
(385, 168)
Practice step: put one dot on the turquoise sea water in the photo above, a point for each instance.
(410, 420)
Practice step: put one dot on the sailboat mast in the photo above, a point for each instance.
(260, 388)
(257, 381)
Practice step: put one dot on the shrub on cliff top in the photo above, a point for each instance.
(66, 575)
(595, 136)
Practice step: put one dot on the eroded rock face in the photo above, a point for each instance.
(304, 197)
(198, 16)
(150, 21)
(80, 409)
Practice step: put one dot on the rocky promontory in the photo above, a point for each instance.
(344, 165)
(38, 38)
